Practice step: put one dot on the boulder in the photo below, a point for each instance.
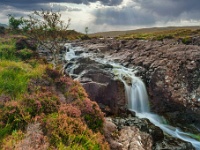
(25, 43)
(100, 84)
(142, 134)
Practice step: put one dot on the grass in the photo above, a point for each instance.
(14, 77)
(183, 34)
(7, 49)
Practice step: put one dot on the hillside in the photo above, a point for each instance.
(3, 25)
(142, 30)
(40, 107)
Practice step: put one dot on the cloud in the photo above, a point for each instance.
(171, 8)
(149, 13)
(22, 3)
(111, 14)
(123, 16)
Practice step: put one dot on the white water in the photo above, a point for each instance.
(138, 99)
(138, 102)
(70, 54)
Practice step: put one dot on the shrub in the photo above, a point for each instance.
(12, 118)
(54, 74)
(12, 140)
(187, 40)
(75, 92)
(71, 111)
(25, 54)
(91, 113)
(38, 103)
(48, 30)
(67, 132)
(90, 110)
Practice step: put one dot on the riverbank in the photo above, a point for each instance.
(40, 107)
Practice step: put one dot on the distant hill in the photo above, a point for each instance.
(3, 25)
(142, 30)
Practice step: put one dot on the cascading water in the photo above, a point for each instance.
(138, 98)
(138, 102)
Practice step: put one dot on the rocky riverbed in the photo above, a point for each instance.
(170, 70)
(171, 73)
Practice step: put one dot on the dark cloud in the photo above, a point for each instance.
(125, 16)
(32, 6)
(149, 12)
(35, 3)
(170, 8)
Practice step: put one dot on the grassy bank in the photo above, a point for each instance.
(42, 109)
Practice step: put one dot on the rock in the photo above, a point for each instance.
(133, 138)
(110, 133)
(150, 136)
(25, 43)
(170, 72)
(196, 41)
(100, 85)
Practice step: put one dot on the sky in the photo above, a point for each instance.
(110, 15)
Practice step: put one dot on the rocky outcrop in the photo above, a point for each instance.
(139, 134)
(171, 73)
(25, 43)
(99, 84)
(169, 69)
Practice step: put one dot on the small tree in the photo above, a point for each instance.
(49, 31)
(86, 30)
(14, 23)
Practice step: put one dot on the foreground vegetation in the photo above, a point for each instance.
(42, 109)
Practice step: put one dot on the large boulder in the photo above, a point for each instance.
(100, 84)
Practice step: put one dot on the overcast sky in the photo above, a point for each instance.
(106, 15)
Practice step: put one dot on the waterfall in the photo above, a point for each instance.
(138, 102)
(137, 97)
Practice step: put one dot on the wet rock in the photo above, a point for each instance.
(100, 85)
(152, 136)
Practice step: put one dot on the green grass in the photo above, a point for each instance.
(183, 34)
(7, 49)
(14, 77)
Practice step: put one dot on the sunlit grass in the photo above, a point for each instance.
(160, 35)
(7, 49)
(14, 77)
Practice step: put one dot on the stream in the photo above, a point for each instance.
(135, 92)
